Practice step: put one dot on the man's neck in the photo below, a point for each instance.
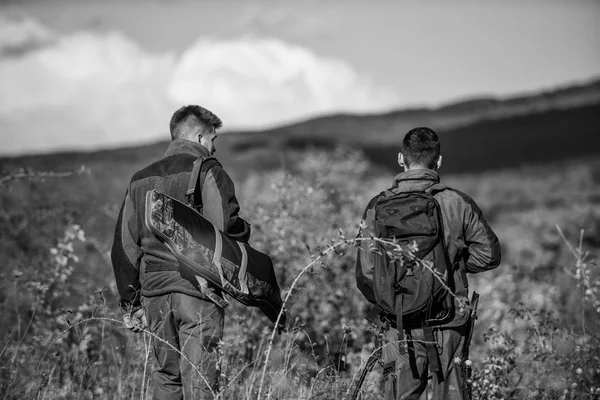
(418, 167)
(179, 146)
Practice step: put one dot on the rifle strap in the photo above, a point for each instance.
(216, 261)
(194, 199)
(191, 198)
(194, 191)
(243, 267)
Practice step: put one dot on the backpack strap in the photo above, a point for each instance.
(431, 348)
(400, 324)
(194, 191)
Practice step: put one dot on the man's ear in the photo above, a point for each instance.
(438, 164)
(401, 159)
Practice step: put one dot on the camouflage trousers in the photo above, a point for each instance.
(187, 352)
(406, 375)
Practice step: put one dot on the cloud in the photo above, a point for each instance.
(80, 68)
(260, 82)
(83, 91)
(90, 90)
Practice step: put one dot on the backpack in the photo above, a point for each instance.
(408, 294)
(209, 258)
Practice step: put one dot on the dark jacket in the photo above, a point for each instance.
(142, 264)
(471, 244)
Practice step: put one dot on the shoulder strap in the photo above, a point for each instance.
(194, 192)
(193, 179)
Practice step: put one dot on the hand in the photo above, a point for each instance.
(136, 321)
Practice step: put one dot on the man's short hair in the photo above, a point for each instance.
(187, 118)
(421, 147)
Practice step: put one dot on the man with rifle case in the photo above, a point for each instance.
(422, 238)
(153, 293)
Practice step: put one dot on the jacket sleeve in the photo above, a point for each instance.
(365, 258)
(220, 206)
(126, 255)
(483, 251)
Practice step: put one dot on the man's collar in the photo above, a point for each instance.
(179, 146)
(417, 175)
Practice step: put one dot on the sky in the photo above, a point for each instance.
(83, 74)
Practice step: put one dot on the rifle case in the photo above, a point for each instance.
(206, 254)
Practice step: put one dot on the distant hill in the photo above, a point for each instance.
(544, 137)
(534, 138)
(477, 134)
(386, 128)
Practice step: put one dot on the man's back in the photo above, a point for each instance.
(470, 243)
(170, 175)
(471, 246)
(137, 248)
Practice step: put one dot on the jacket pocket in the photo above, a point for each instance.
(389, 380)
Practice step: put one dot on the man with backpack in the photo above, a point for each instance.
(418, 240)
(153, 293)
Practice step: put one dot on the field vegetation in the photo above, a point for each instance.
(538, 333)
(537, 336)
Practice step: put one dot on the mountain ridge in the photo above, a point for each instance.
(476, 134)
(385, 126)
(446, 117)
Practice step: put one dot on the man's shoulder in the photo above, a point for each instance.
(453, 193)
(164, 167)
(455, 196)
(373, 201)
(212, 164)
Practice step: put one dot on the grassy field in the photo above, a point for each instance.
(537, 336)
